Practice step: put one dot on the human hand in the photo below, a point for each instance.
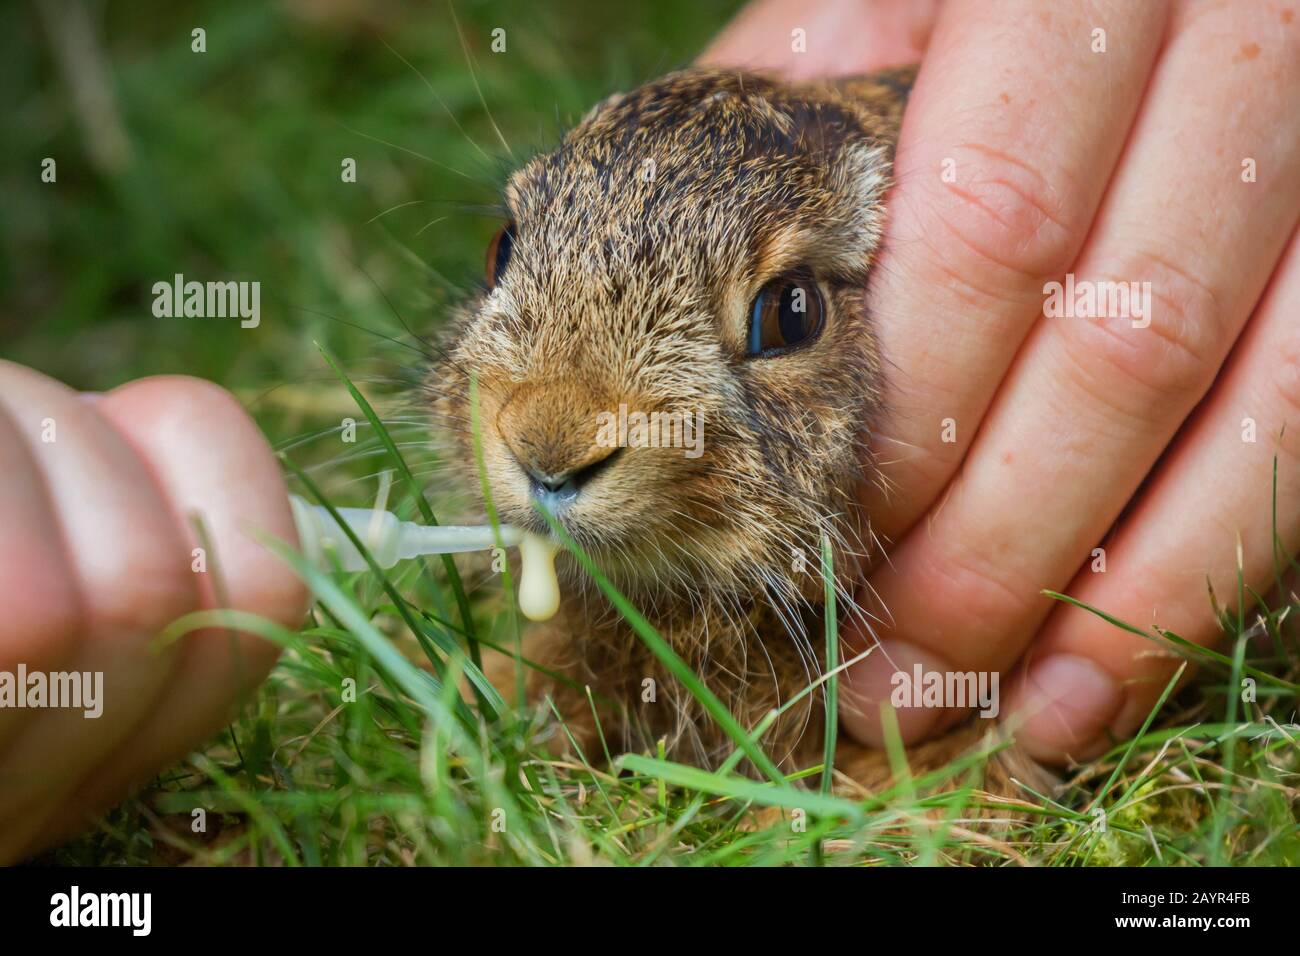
(97, 494)
(1165, 152)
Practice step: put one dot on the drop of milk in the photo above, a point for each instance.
(539, 589)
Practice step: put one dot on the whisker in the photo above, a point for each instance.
(450, 115)
(469, 63)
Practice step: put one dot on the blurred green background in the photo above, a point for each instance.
(225, 165)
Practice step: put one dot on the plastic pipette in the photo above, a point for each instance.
(389, 539)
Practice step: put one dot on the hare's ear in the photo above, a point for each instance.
(843, 238)
(864, 178)
(884, 95)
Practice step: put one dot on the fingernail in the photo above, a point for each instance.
(1068, 701)
(888, 674)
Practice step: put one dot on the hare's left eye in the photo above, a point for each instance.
(787, 312)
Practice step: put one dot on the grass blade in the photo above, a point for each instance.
(426, 511)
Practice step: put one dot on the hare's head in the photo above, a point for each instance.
(673, 354)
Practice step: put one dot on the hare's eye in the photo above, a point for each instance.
(787, 312)
(498, 253)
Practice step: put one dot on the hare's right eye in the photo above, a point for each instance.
(498, 253)
(787, 312)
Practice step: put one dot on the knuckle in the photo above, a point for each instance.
(1004, 211)
(1170, 352)
(986, 592)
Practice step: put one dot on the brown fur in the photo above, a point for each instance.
(629, 287)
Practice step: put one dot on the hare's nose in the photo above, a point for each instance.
(556, 491)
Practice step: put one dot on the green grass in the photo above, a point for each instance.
(234, 173)
(411, 771)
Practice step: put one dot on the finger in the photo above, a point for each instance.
(215, 468)
(965, 258)
(800, 40)
(121, 544)
(38, 590)
(1213, 487)
(1008, 141)
(1101, 394)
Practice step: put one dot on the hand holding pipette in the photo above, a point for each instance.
(101, 552)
